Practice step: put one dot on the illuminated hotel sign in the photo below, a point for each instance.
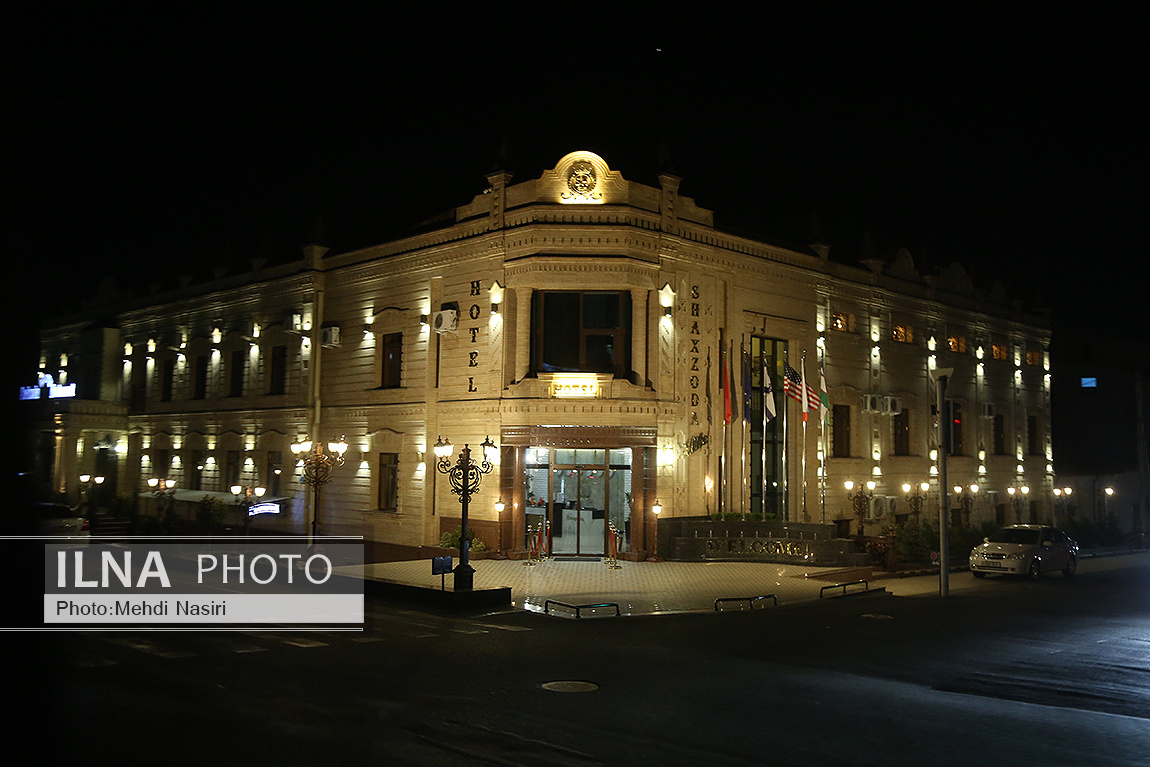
(263, 508)
(47, 388)
(569, 386)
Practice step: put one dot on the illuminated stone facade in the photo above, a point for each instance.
(584, 322)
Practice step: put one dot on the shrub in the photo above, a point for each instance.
(451, 540)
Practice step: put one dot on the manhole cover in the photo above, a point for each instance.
(570, 686)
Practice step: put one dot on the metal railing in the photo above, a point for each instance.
(843, 586)
(749, 600)
(579, 608)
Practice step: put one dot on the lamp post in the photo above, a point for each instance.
(317, 468)
(965, 498)
(1062, 500)
(164, 490)
(656, 509)
(87, 484)
(1017, 499)
(860, 499)
(245, 503)
(464, 476)
(916, 499)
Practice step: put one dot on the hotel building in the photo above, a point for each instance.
(595, 328)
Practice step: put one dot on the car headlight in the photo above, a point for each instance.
(1017, 555)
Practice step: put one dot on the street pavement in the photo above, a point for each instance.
(641, 588)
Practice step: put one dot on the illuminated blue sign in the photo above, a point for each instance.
(263, 508)
(1089, 383)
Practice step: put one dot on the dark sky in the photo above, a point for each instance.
(147, 145)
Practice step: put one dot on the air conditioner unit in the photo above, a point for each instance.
(329, 336)
(989, 410)
(445, 321)
(872, 403)
(892, 405)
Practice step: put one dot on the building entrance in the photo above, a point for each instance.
(582, 497)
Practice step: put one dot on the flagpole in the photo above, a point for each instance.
(803, 390)
(764, 384)
(744, 431)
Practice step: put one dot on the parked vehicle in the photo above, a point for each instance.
(1029, 550)
(58, 519)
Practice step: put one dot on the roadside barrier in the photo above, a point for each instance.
(578, 608)
(749, 600)
(843, 586)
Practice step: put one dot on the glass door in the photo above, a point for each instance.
(578, 513)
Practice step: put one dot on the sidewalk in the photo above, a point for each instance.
(637, 587)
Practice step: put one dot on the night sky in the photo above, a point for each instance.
(145, 147)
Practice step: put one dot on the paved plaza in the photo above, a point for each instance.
(637, 587)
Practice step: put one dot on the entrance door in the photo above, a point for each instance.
(578, 511)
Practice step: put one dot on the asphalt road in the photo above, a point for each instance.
(1000, 672)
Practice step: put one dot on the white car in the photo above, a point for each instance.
(1029, 550)
(58, 519)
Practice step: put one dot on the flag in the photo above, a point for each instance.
(768, 393)
(824, 397)
(746, 387)
(792, 383)
(726, 395)
(814, 399)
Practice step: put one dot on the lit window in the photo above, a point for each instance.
(999, 351)
(956, 343)
(842, 321)
(1033, 358)
(903, 334)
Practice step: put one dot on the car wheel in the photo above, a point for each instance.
(1071, 567)
(977, 574)
(1035, 570)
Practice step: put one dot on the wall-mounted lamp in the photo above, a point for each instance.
(500, 506)
(495, 307)
(666, 311)
(423, 320)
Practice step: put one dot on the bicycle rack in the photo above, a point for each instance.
(843, 586)
(749, 600)
(578, 608)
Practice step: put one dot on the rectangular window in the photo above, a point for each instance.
(1000, 446)
(1033, 436)
(232, 470)
(167, 379)
(277, 379)
(200, 377)
(900, 427)
(273, 473)
(904, 334)
(956, 344)
(236, 373)
(1033, 357)
(391, 358)
(768, 437)
(196, 470)
(841, 431)
(842, 322)
(162, 463)
(999, 351)
(581, 332)
(388, 481)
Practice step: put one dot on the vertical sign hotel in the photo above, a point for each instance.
(583, 321)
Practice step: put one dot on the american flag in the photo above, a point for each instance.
(792, 383)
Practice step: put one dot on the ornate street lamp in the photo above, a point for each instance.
(964, 496)
(317, 468)
(1017, 499)
(245, 503)
(464, 476)
(88, 483)
(164, 491)
(860, 499)
(916, 498)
